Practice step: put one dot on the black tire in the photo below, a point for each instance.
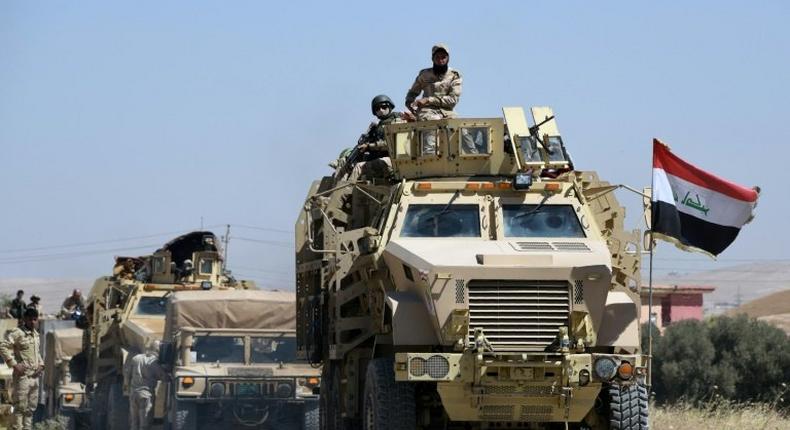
(312, 419)
(117, 408)
(388, 405)
(628, 407)
(184, 416)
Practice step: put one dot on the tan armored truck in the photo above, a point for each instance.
(484, 284)
(232, 363)
(125, 311)
(64, 397)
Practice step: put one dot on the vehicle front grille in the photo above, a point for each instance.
(518, 315)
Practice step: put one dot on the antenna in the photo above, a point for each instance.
(227, 239)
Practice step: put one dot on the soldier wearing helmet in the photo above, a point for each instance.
(440, 86)
(372, 141)
(370, 159)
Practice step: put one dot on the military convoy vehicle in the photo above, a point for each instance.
(231, 360)
(484, 283)
(63, 397)
(126, 311)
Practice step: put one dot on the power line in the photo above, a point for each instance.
(67, 255)
(265, 242)
(254, 227)
(96, 242)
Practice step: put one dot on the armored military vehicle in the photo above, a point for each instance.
(231, 360)
(125, 311)
(64, 397)
(485, 283)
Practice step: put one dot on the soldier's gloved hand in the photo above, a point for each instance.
(19, 369)
(408, 116)
(421, 102)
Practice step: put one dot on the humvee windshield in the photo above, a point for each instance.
(272, 349)
(222, 349)
(151, 306)
(442, 220)
(541, 221)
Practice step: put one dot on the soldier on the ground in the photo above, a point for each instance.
(21, 352)
(142, 372)
(440, 86)
(18, 305)
(72, 303)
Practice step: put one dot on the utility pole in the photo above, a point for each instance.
(227, 238)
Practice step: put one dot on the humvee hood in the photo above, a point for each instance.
(433, 253)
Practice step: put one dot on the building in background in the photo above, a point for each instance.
(672, 303)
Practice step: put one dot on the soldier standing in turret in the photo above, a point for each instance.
(440, 86)
(21, 352)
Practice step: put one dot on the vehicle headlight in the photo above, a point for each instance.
(605, 368)
(438, 367)
(217, 389)
(417, 366)
(284, 390)
(307, 386)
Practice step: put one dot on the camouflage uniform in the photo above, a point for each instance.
(21, 346)
(70, 304)
(442, 92)
(376, 162)
(143, 372)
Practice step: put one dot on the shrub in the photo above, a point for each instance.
(739, 359)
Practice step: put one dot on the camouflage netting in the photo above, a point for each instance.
(242, 309)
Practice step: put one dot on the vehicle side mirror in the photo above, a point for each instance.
(166, 351)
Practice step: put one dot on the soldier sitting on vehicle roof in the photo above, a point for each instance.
(371, 156)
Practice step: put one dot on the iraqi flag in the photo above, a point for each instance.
(694, 209)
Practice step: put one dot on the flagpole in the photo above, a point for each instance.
(650, 285)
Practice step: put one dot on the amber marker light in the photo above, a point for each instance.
(187, 382)
(552, 187)
(424, 186)
(313, 381)
(473, 186)
(69, 397)
(626, 370)
(504, 185)
(487, 185)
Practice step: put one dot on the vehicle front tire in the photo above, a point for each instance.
(312, 419)
(184, 416)
(628, 407)
(388, 405)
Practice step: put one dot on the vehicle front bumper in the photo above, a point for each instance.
(536, 387)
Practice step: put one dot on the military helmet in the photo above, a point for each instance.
(380, 99)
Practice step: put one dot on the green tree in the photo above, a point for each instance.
(738, 358)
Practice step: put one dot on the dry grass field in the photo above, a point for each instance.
(718, 416)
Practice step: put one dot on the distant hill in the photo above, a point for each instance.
(51, 290)
(773, 308)
(735, 285)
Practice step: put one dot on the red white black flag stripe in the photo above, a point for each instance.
(695, 209)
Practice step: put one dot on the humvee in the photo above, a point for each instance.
(484, 283)
(64, 397)
(231, 360)
(126, 311)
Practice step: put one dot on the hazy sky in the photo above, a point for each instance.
(136, 119)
